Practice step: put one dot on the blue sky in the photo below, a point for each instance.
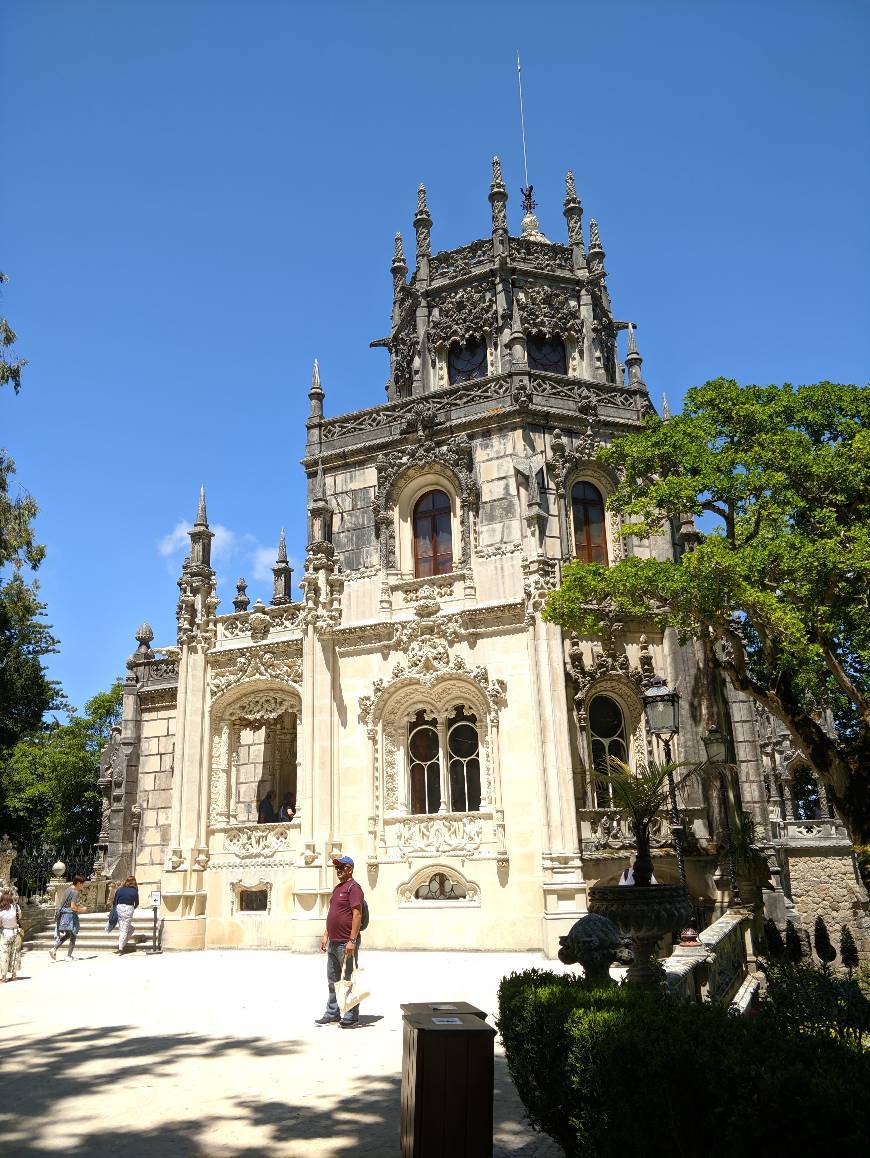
(200, 197)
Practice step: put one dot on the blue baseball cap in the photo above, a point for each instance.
(343, 860)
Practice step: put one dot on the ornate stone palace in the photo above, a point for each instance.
(414, 704)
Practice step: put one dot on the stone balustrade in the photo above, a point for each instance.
(718, 968)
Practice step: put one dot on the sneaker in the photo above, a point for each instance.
(327, 1019)
(53, 954)
(349, 1024)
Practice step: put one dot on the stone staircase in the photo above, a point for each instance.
(93, 937)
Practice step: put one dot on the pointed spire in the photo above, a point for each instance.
(241, 601)
(595, 237)
(633, 359)
(282, 575)
(666, 410)
(570, 188)
(498, 198)
(422, 225)
(315, 397)
(519, 353)
(399, 269)
(200, 536)
(201, 516)
(573, 211)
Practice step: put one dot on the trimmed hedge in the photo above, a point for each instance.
(622, 1071)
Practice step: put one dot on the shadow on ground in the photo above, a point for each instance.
(42, 1077)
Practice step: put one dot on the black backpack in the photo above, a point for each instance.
(364, 920)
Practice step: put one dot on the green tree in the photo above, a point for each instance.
(10, 366)
(825, 951)
(848, 951)
(776, 589)
(50, 778)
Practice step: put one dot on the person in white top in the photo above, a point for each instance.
(10, 939)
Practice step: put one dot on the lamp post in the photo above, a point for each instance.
(716, 747)
(662, 708)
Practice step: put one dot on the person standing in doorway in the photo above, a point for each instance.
(266, 809)
(68, 919)
(126, 900)
(341, 940)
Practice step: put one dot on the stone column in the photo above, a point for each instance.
(562, 873)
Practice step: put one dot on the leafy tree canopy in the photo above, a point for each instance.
(10, 366)
(49, 779)
(777, 589)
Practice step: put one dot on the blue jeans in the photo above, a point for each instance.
(335, 963)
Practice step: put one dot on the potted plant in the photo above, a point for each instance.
(644, 910)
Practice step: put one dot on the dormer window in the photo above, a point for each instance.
(466, 361)
(547, 352)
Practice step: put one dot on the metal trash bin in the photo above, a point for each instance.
(447, 1085)
(442, 1008)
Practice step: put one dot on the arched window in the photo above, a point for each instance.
(424, 764)
(433, 537)
(546, 352)
(441, 887)
(590, 541)
(466, 361)
(434, 745)
(607, 735)
(463, 748)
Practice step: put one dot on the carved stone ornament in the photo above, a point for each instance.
(281, 662)
(247, 840)
(550, 311)
(423, 643)
(456, 835)
(263, 706)
(465, 313)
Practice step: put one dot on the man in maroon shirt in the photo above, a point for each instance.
(340, 940)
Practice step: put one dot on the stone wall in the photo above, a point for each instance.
(825, 883)
(157, 754)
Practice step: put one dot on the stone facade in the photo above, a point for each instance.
(505, 379)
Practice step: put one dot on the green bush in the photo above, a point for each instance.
(808, 999)
(617, 1071)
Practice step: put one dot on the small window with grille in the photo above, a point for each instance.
(253, 900)
(441, 887)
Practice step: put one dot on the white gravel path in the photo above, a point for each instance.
(215, 1054)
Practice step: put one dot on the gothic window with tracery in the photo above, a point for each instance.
(466, 361)
(435, 744)
(607, 737)
(424, 763)
(463, 749)
(546, 352)
(590, 539)
(433, 535)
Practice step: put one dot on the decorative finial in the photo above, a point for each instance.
(632, 341)
(666, 410)
(594, 237)
(398, 251)
(422, 225)
(241, 601)
(315, 396)
(282, 548)
(570, 187)
(573, 212)
(497, 183)
(201, 517)
(144, 637)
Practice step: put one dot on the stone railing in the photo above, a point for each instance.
(604, 831)
(717, 968)
(797, 831)
(260, 842)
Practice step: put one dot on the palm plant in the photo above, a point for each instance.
(640, 794)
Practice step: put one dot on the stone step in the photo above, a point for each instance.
(93, 936)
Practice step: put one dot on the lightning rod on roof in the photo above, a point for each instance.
(522, 119)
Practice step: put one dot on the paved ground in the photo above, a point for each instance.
(210, 1055)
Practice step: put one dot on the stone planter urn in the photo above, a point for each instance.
(593, 943)
(646, 913)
